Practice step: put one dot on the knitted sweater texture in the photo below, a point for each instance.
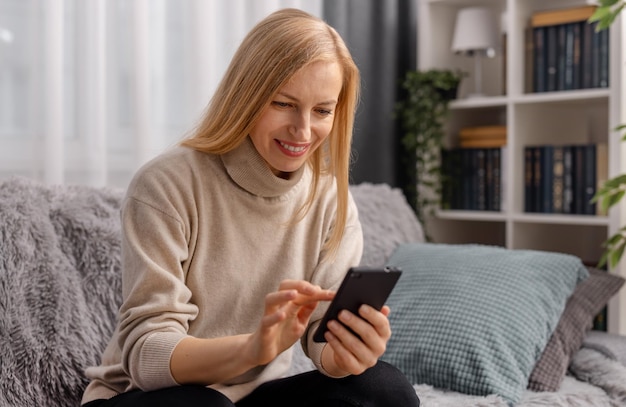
(204, 239)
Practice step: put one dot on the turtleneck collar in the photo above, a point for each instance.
(248, 169)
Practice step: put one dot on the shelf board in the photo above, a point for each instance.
(543, 218)
(554, 219)
(478, 102)
(471, 215)
(575, 96)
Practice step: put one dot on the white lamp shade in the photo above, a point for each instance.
(475, 30)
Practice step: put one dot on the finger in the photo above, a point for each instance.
(377, 319)
(307, 292)
(345, 356)
(279, 298)
(372, 338)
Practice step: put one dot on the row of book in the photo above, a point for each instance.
(567, 51)
(563, 178)
(472, 178)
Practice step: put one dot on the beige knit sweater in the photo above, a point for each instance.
(205, 238)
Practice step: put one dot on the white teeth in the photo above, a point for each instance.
(292, 148)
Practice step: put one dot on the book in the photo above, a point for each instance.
(586, 60)
(482, 136)
(602, 170)
(576, 68)
(539, 60)
(537, 179)
(557, 179)
(480, 194)
(483, 143)
(579, 178)
(528, 60)
(562, 16)
(604, 59)
(547, 178)
(551, 55)
(568, 180)
(590, 179)
(495, 190)
(529, 182)
(494, 131)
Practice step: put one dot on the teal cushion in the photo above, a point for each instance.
(475, 319)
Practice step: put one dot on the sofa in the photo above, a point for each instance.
(60, 288)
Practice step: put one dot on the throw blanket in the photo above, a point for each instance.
(60, 287)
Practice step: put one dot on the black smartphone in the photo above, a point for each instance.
(361, 285)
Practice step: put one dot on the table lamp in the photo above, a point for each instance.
(476, 35)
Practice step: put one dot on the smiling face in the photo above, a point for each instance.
(299, 117)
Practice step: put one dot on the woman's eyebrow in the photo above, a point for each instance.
(295, 99)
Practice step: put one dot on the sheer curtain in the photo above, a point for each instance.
(91, 89)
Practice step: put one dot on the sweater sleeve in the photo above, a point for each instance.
(156, 308)
(329, 274)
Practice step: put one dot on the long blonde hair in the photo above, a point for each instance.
(272, 52)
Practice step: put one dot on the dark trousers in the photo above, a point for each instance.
(381, 386)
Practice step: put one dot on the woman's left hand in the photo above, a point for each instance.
(349, 353)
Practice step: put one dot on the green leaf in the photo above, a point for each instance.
(608, 3)
(616, 255)
(603, 259)
(601, 13)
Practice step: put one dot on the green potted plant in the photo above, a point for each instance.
(613, 190)
(421, 114)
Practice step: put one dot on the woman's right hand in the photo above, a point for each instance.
(287, 314)
(216, 360)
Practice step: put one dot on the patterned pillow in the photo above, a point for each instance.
(475, 319)
(588, 299)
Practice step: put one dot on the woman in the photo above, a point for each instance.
(231, 240)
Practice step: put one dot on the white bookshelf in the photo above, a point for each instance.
(563, 117)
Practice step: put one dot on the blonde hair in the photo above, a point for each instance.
(272, 52)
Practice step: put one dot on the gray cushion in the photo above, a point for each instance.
(473, 318)
(387, 220)
(588, 299)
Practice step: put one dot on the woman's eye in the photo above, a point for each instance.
(281, 104)
(325, 112)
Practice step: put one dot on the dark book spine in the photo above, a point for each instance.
(529, 182)
(595, 59)
(568, 177)
(537, 178)
(481, 179)
(579, 179)
(604, 58)
(568, 75)
(589, 208)
(577, 71)
(539, 60)
(496, 195)
(557, 180)
(561, 31)
(586, 57)
(466, 156)
(489, 187)
(547, 178)
(551, 55)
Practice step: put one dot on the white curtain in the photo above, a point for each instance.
(91, 89)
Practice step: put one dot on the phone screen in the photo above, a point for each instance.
(361, 285)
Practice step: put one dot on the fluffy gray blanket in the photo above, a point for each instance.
(59, 288)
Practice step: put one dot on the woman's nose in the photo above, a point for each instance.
(301, 128)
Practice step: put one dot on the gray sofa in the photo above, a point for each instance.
(60, 280)
(60, 288)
